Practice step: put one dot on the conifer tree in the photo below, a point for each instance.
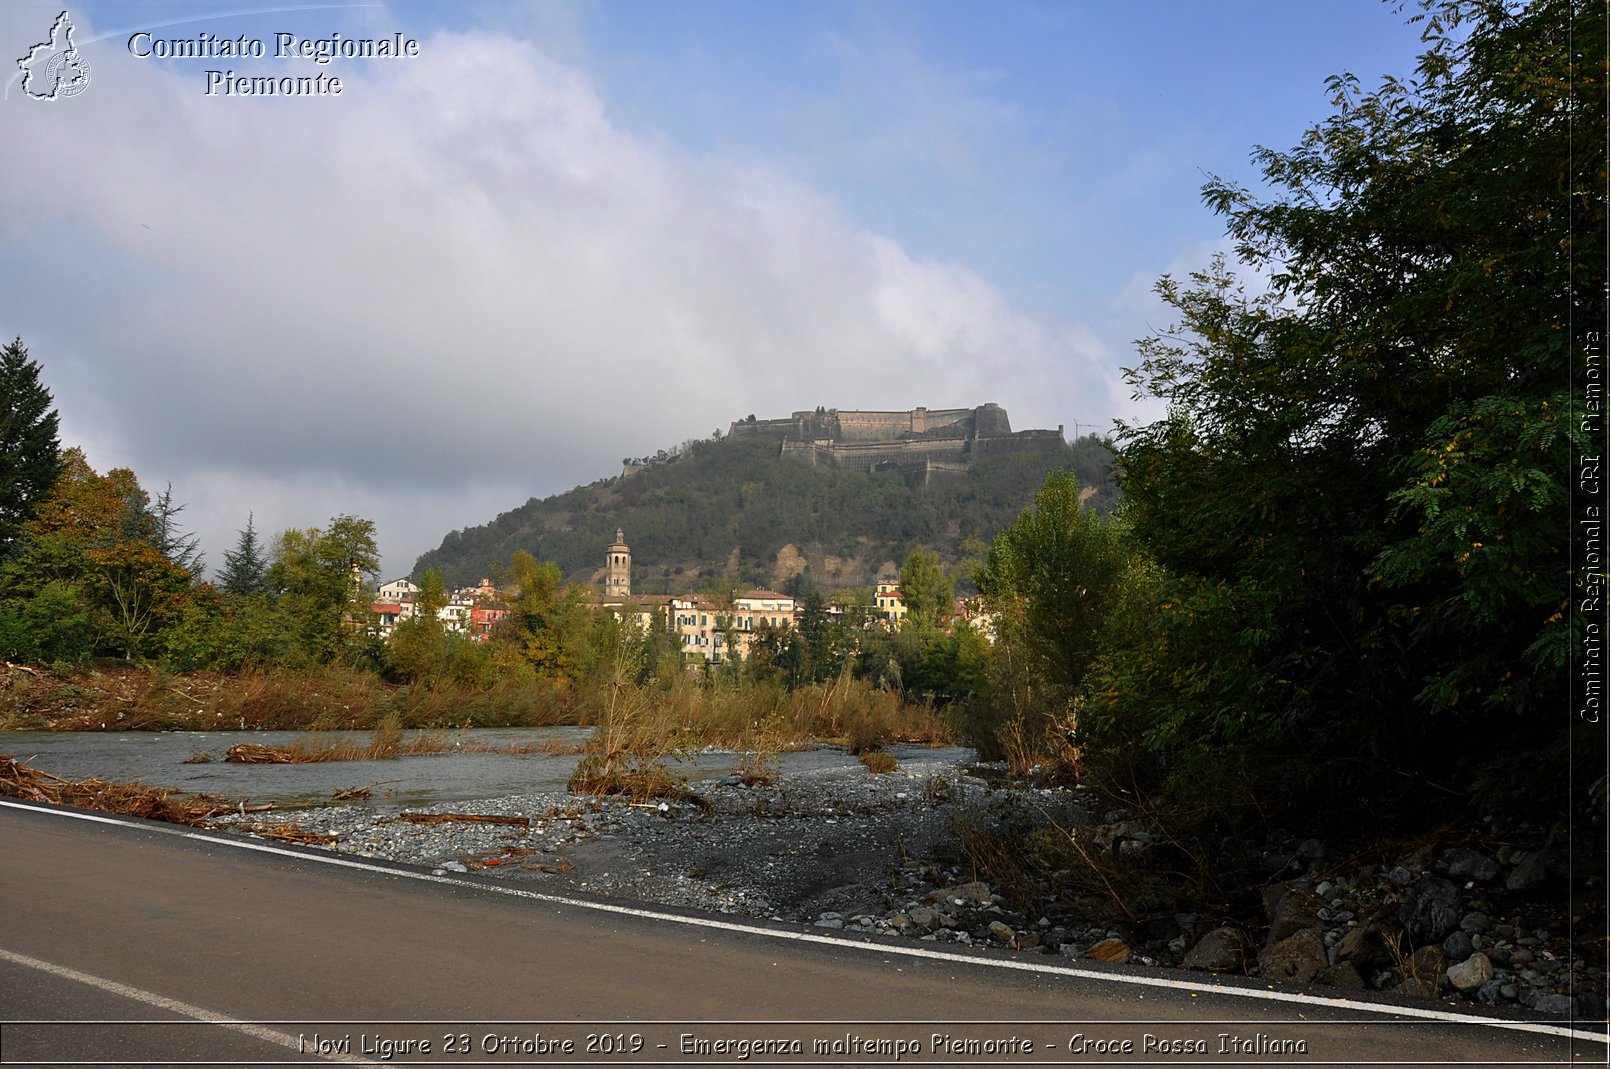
(245, 567)
(30, 451)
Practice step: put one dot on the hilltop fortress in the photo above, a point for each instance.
(921, 444)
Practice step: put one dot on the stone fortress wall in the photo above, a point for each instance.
(921, 444)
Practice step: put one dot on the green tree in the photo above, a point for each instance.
(171, 540)
(926, 589)
(321, 580)
(1357, 498)
(96, 535)
(1052, 578)
(30, 451)
(245, 570)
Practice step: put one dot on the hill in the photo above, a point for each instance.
(773, 501)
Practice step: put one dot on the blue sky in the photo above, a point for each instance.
(571, 232)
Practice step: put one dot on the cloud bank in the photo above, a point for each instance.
(457, 285)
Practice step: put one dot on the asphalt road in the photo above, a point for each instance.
(131, 943)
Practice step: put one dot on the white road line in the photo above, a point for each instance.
(325, 858)
(184, 1009)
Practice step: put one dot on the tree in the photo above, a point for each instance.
(170, 540)
(1357, 499)
(926, 589)
(320, 578)
(95, 534)
(1052, 579)
(30, 451)
(245, 568)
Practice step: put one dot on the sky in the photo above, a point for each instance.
(563, 233)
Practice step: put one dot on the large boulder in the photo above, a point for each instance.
(1430, 909)
(1221, 950)
(1465, 863)
(1299, 957)
(1294, 911)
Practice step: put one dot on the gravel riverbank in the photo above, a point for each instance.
(842, 848)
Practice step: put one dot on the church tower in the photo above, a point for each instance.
(618, 568)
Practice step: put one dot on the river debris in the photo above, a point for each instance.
(287, 833)
(130, 799)
(355, 794)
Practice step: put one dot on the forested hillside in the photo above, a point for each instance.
(725, 511)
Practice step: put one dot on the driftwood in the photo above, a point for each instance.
(462, 818)
(128, 799)
(251, 753)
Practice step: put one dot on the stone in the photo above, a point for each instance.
(1028, 940)
(830, 920)
(1458, 946)
(1554, 1004)
(1465, 863)
(1400, 875)
(975, 893)
(1430, 909)
(1113, 951)
(1221, 950)
(1527, 871)
(1469, 975)
(923, 916)
(1490, 993)
(1299, 957)
(1475, 922)
(1344, 975)
(1312, 849)
(1295, 911)
(1367, 947)
(1001, 932)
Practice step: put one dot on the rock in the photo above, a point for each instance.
(1469, 975)
(1344, 975)
(1490, 993)
(972, 894)
(1001, 932)
(1311, 849)
(1527, 872)
(1299, 957)
(1465, 863)
(1458, 946)
(1368, 947)
(1295, 911)
(1554, 1004)
(830, 920)
(924, 917)
(1221, 950)
(1028, 940)
(1475, 922)
(1113, 951)
(1400, 876)
(1430, 909)
(1509, 991)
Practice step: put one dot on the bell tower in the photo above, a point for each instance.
(618, 568)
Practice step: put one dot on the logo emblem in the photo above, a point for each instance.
(53, 69)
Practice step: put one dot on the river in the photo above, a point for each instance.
(462, 773)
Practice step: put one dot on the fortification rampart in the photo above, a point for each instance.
(919, 443)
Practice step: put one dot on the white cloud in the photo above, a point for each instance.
(439, 293)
